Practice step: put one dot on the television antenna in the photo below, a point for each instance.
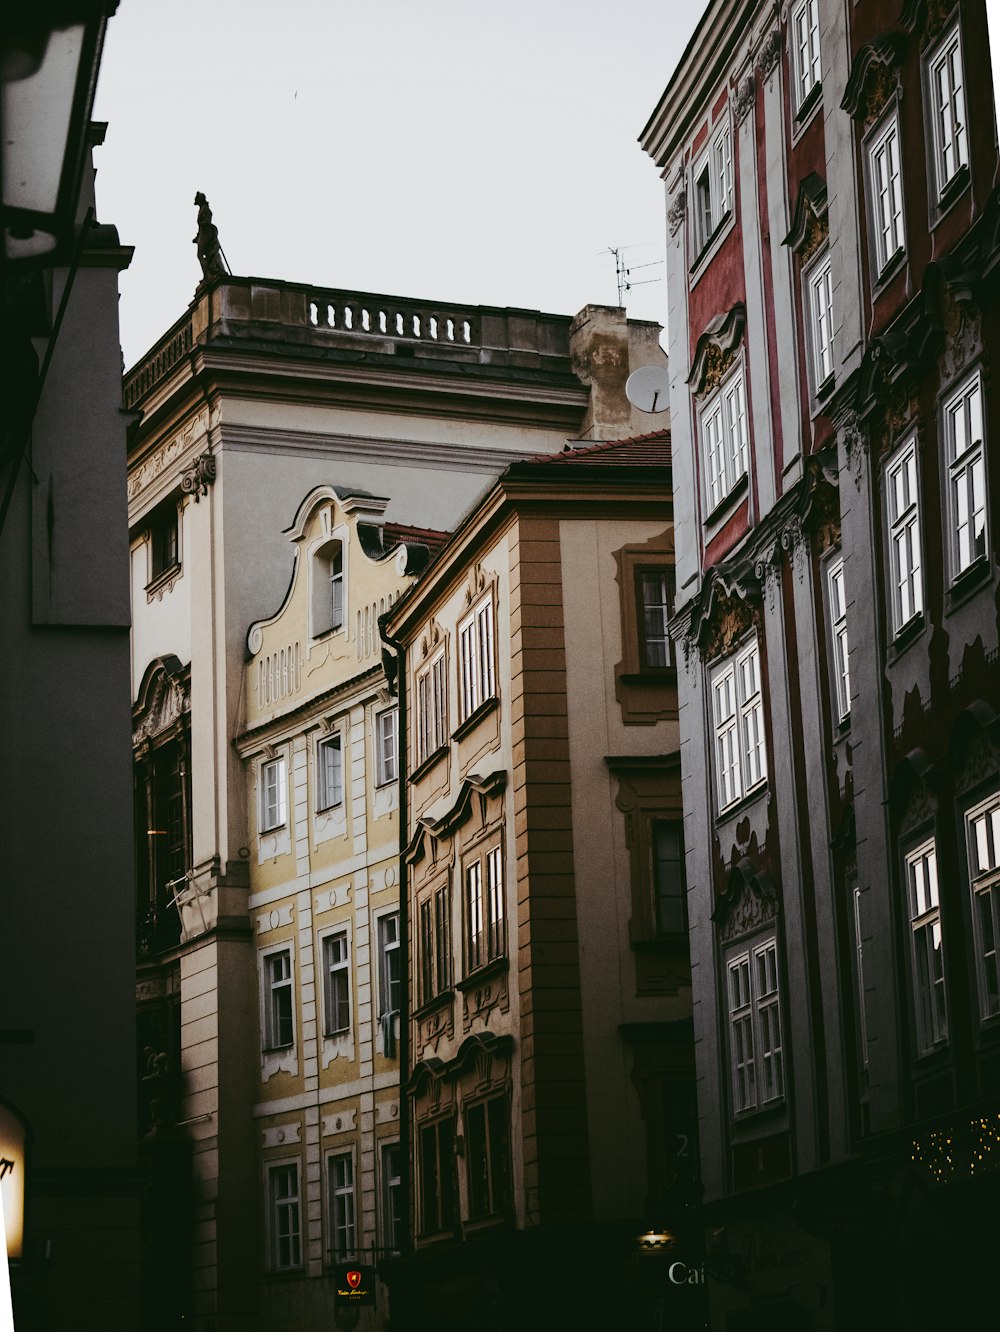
(623, 271)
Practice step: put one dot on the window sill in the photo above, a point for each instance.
(477, 1225)
(759, 1122)
(326, 809)
(496, 967)
(380, 785)
(328, 633)
(807, 109)
(711, 246)
(163, 581)
(441, 1000)
(278, 1049)
(475, 717)
(268, 832)
(966, 584)
(950, 194)
(744, 802)
(889, 271)
(822, 395)
(431, 761)
(906, 637)
(728, 504)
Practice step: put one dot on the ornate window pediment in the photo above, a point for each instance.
(717, 349)
(749, 901)
(810, 224)
(164, 698)
(874, 79)
(727, 607)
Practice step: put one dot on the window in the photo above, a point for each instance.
(859, 973)
(838, 638)
(723, 429)
(927, 950)
(438, 1209)
(947, 106)
(164, 543)
(669, 892)
(487, 1155)
(740, 757)
(328, 611)
(162, 840)
(475, 647)
(655, 588)
(388, 953)
(329, 773)
(886, 194)
(902, 501)
(805, 49)
(713, 188)
(484, 911)
(284, 1217)
(273, 795)
(337, 986)
(432, 708)
(386, 766)
(342, 1237)
(279, 1026)
(983, 829)
(434, 944)
(755, 1029)
(819, 292)
(392, 1198)
(963, 417)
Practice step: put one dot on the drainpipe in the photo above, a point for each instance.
(395, 671)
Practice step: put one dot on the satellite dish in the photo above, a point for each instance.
(648, 388)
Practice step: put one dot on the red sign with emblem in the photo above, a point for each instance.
(354, 1284)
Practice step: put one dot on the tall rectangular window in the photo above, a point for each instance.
(475, 642)
(756, 1055)
(438, 1190)
(838, 640)
(284, 1217)
(329, 773)
(164, 540)
(903, 515)
(279, 1021)
(487, 1156)
(392, 1198)
(723, 428)
(655, 588)
(386, 765)
(337, 984)
(432, 708)
(929, 1001)
(434, 943)
(712, 187)
(273, 795)
(859, 973)
(820, 302)
(741, 761)
(886, 193)
(484, 910)
(805, 49)
(669, 892)
(963, 418)
(388, 950)
(342, 1230)
(983, 841)
(947, 106)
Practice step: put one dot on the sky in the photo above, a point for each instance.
(450, 150)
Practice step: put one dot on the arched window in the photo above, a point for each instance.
(328, 609)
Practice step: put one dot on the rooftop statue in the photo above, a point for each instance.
(210, 256)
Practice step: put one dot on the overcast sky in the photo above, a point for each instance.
(460, 150)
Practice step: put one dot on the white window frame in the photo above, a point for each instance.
(476, 658)
(273, 986)
(388, 962)
(738, 722)
(723, 431)
(273, 787)
(328, 589)
(804, 36)
(818, 282)
(432, 706)
(329, 787)
(484, 909)
(923, 905)
(902, 510)
(949, 136)
(434, 949)
(342, 1200)
(982, 825)
(336, 953)
(712, 187)
(859, 970)
(391, 1187)
(655, 595)
(839, 648)
(963, 412)
(756, 1055)
(885, 193)
(290, 1203)
(386, 746)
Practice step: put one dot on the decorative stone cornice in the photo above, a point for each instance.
(198, 475)
(770, 53)
(164, 698)
(874, 78)
(716, 349)
(926, 18)
(676, 212)
(745, 96)
(810, 225)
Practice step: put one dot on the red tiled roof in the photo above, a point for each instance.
(652, 450)
(395, 534)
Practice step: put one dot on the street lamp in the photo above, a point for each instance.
(49, 56)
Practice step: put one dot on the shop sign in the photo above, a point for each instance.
(354, 1284)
